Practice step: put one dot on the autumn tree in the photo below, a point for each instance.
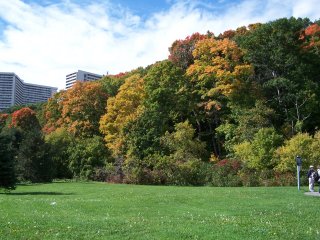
(25, 119)
(286, 73)
(3, 119)
(31, 159)
(311, 36)
(181, 50)
(219, 75)
(125, 107)
(81, 108)
(164, 105)
(52, 112)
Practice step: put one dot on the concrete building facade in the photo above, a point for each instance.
(81, 76)
(14, 91)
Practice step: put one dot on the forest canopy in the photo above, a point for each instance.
(224, 110)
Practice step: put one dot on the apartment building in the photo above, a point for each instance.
(14, 91)
(81, 76)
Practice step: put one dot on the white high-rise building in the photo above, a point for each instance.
(14, 91)
(81, 76)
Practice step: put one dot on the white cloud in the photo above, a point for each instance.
(43, 44)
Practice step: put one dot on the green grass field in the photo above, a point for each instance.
(104, 211)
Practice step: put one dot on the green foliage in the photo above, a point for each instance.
(243, 123)
(298, 145)
(182, 144)
(33, 162)
(59, 142)
(163, 106)
(258, 153)
(287, 73)
(85, 155)
(182, 165)
(31, 154)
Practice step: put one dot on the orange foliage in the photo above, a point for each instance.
(311, 38)
(3, 118)
(313, 29)
(81, 108)
(220, 62)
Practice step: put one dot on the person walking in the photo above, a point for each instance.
(311, 179)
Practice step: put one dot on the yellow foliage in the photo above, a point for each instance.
(300, 145)
(122, 109)
(219, 61)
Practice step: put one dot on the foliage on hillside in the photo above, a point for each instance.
(228, 110)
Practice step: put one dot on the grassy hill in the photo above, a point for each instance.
(103, 211)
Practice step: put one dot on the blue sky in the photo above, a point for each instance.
(44, 40)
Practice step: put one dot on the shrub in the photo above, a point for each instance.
(225, 173)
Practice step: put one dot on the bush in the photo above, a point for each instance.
(225, 173)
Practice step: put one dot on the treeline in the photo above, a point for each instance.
(227, 110)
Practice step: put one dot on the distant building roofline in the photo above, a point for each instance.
(38, 85)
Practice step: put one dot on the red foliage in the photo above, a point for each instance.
(181, 50)
(233, 164)
(311, 37)
(227, 34)
(119, 75)
(24, 118)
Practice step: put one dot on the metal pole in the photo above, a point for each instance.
(298, 177)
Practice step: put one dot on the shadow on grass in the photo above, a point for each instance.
(34, 193)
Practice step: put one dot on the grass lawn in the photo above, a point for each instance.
(105, 211)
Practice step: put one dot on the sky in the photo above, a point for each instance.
(44, 40)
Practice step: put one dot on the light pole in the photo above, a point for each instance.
(299, 163)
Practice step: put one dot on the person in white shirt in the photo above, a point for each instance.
(311, 179)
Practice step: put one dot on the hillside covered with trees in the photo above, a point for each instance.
(232, 109)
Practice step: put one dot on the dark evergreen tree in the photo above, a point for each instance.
(7, 172)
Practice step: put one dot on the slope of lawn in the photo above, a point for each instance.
(104, 211)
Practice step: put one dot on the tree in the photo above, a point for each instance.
(164, 105)
(258, 153)
(52, 112)
(219, 75)
(185, 155)
(286, 73)
(311, 36)
(242, 123)
(59, 142)
(181, 50)
(125, 107)
(87, 154)
(81, 108)
(31, 157)
(7, 171)
(32, 161)
(25, 119)
(182, 143)
(3, 119)
(300, 144)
